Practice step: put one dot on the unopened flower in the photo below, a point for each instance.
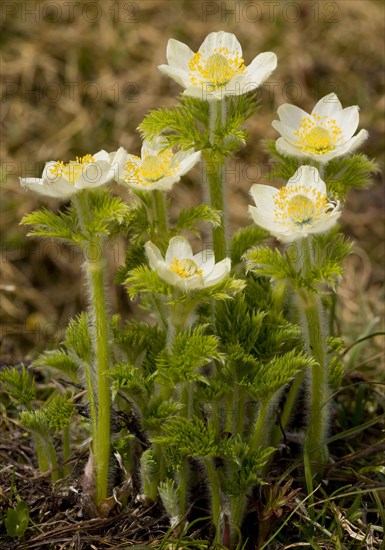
(62, 180)
(185, 270)
(156, 168)
(323, 135)
(218, 68)
(297, 210)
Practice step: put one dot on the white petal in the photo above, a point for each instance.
(153, 254)
(201, 92)
(166, 274)
(348, 120)
(216, 40)
(180, 76)
(179, 248)
(263, 196)
(220, 271)
(196, 281)
(309, 177)
(326, 222)
(118, 162)
(152, 147)
(102, 155)
(59, 189)
(327, 106)
(356, 141)
(261, 67)
(286, 131)
(188, 162)
(178, 54)
(205, 260)
(93, 175)
(288, 150)
(291, 115)
(262, 219)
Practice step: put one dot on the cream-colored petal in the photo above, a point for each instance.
(261, 67)
(291, 115)
(217, 40)
(186, 163)
(348, 120)
(220, 272)
(180, 76)
(327, 106)
(179, 248)
(102, 156)
(166, 274)
(59, 189)
(191, 283)
(178, 54)
(153, 254)
(263, 196)
(118, 161)
(203, 93)
(93, 175)
(325, 223)
(205, 260)
(262, 219)
(285, 148)
(309, 177)
(286, 131)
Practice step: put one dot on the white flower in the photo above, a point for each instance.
(185, 270)
(296, 210)
(218, 68)
(62, 180)
(323, 135)
(156, 168)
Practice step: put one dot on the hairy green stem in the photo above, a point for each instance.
(260, 435)
(160, 210)
(215, 489)
(215, 177)
(290, 401)
(94, 268)
(315, 339)
(314, 332)
(66, 439)
(42, 457)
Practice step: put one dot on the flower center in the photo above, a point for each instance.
(217, 70)
(185, 268)
(72, 169)
(318, 134)
(151, 169)
(293, 205)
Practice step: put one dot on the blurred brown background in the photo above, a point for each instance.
(80, 76)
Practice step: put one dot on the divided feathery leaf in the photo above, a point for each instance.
(190, 351)
(274, 375)
(345, 173)
(126, 377)
(142, 279)
(244, 239)
(45, 223)
(157, 412)
(282, 167)
(202, 213)
(19, 385)
(59, 412)
(77, 337)
(270, 263)
(192, 437)
(59, 360)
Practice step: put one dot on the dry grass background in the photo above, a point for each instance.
(80, 76)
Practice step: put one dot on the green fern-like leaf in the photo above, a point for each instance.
(46, 223)
(345, 173)
(59, 412)
(190, 351)
(202, 213)
(77, 337)
(244, 239)
(61, 361)
(19, 385)
(142, 279)
(191, 438)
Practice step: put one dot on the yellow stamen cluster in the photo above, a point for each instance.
(185, 268)
(299, 205)
(216, 70)
(151, 169)
(318, 134)
(71, 170)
